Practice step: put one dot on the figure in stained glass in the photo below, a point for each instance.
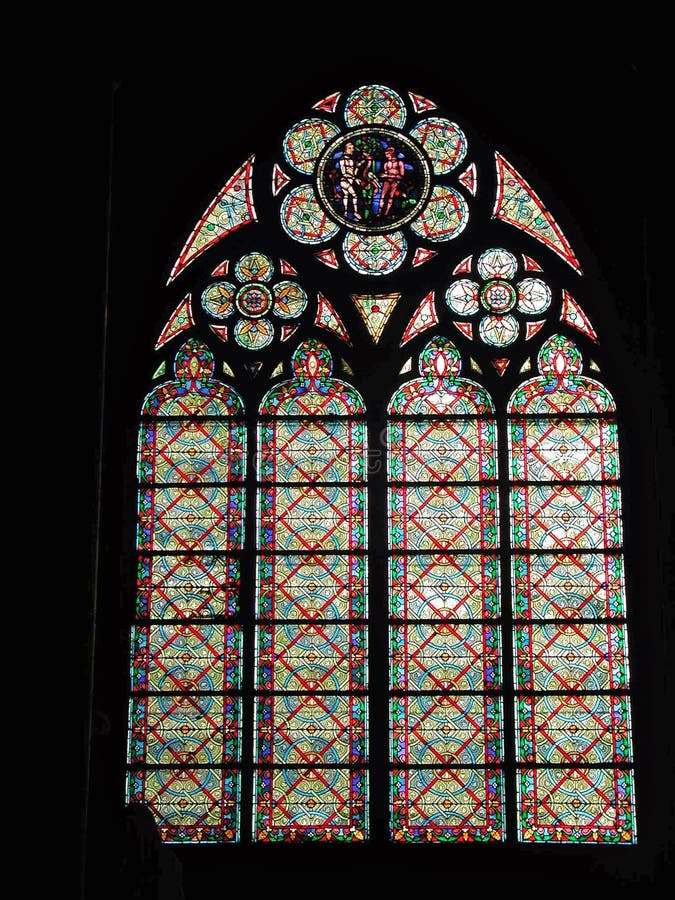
(348, 167)
(393, 171)
(376, 180)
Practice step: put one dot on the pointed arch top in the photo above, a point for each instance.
(312, 391)
(562, 389)
(230, 209)
(194, 391)
(518, 204)
(440, 390)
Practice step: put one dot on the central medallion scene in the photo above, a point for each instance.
(373, 179)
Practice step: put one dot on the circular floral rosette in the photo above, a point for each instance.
(502, 294)
(374, 169)
(256, 304)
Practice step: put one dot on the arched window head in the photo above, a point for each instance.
(185, 709)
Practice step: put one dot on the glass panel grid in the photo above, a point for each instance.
(572, 708)
(311, 706)
(184, 733)
(446, 778)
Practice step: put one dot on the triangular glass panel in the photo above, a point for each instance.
(424, 317)
(573, 315)
(375, 310)
(230, 209)
(517, 204)
(327, 318)
(179, 320)
(329, 103)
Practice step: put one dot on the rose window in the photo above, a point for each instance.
(374, 185)
(498, 296)
(254, 304)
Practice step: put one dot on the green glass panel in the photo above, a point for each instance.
(311, 656)
(443, 517)
(443, 657)
(571, 656)
(314, 450)
(447, 805)
(445, 729)
(573, 728)
(442, 450)
(568, 585)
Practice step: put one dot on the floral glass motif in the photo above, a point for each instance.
(311, 739)
(496, 294)
(260, 304)
(184, 747)
(573, 733)
(445, 669)
(374, 178)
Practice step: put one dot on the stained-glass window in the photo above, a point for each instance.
(445, 665)
(573, 731)
(381, 595)
(311, 715)
(184, 748)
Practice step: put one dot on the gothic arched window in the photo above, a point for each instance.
(377, 491)
(445, 670)
(502, 556)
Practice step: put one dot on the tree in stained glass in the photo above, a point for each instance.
(445, 670)
(311, 705)
(184, 721)
(573, 742)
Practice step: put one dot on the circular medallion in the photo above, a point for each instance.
(303, 218)
(534, 295)
(254, 300)
(304, 142)
(253, 334)
(375, 254)
(443, 141)
(289, 299)
(445, 215)
(498, 331)
(462, 297)
(497, 263)
(254, 267)
(373, 179)
(374, 104)
(218, 299)
(499, 296)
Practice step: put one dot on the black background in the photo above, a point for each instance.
(158, 141)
